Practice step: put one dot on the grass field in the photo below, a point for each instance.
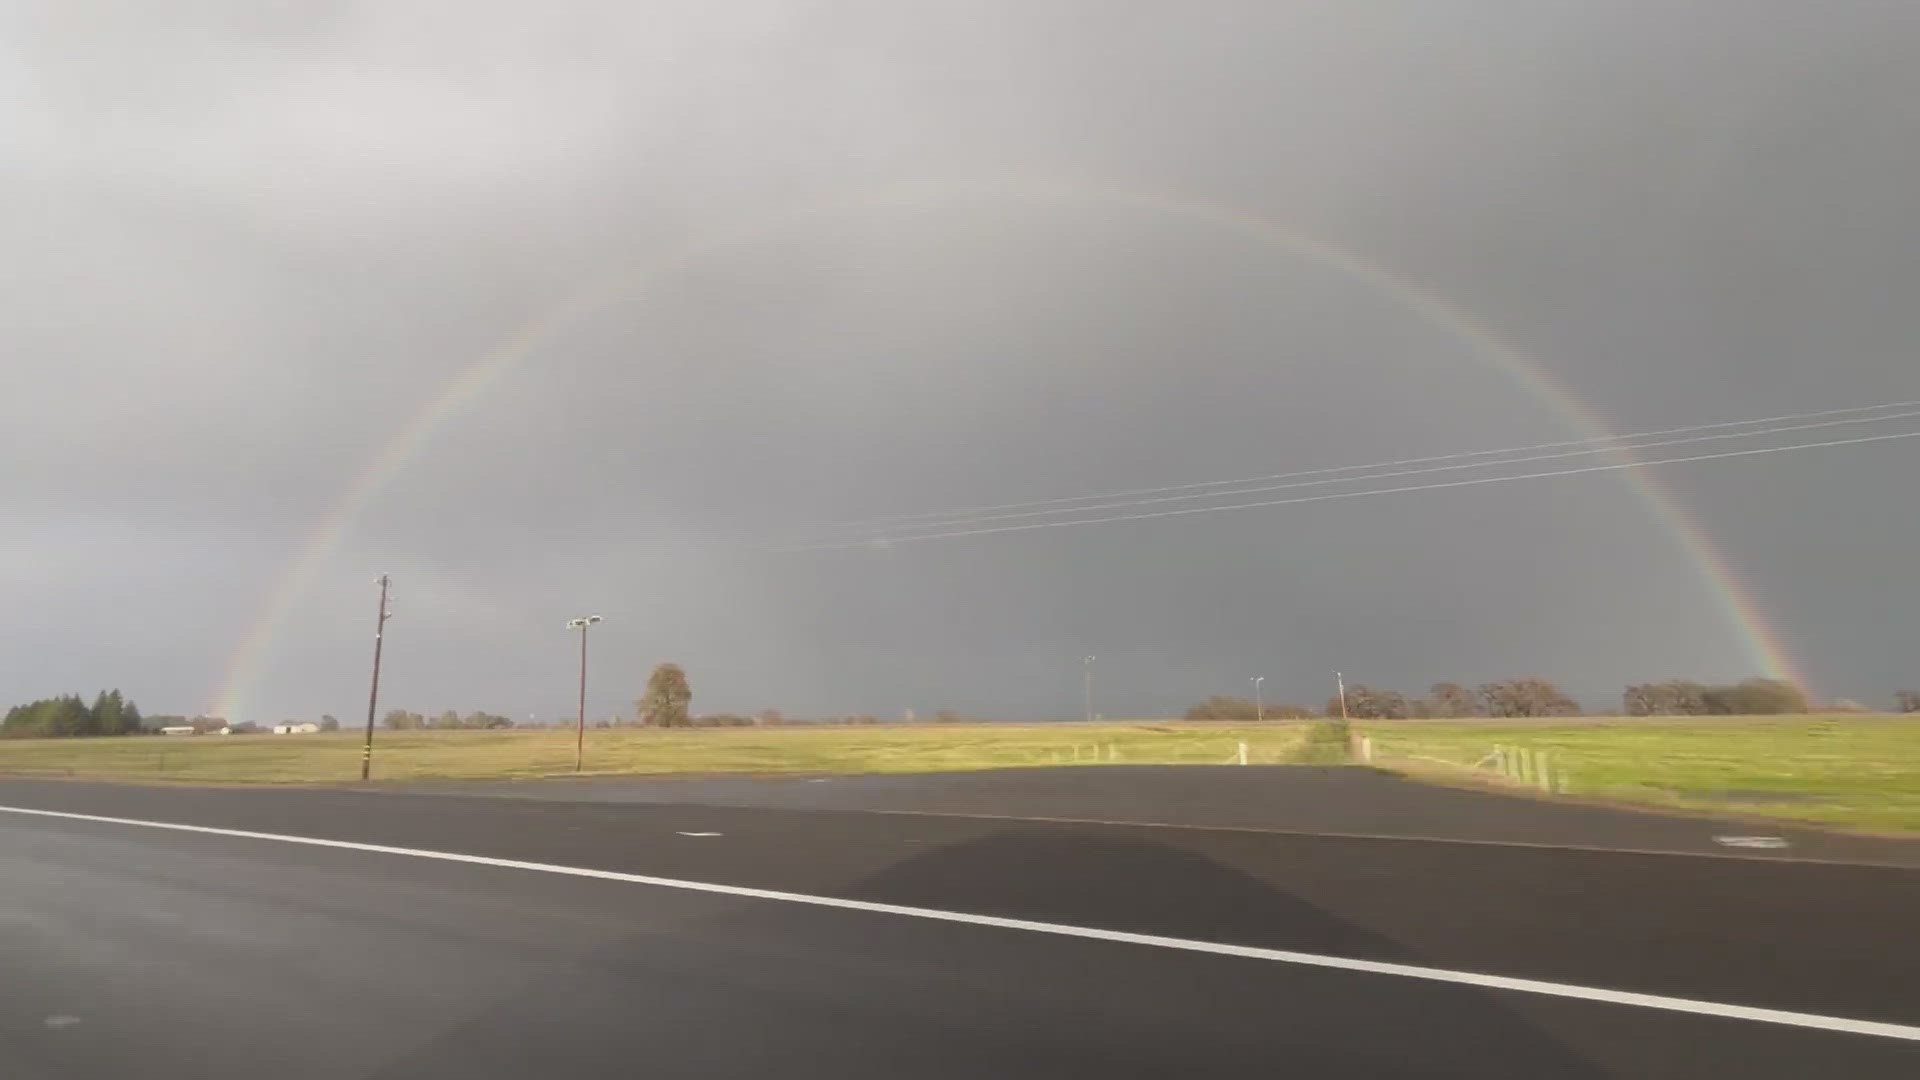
(1854, 771)
(1850, 771)
(419, 755)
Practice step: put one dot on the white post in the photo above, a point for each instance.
(1546, 773)
(1526, 765)
(1366, 748)
(1243, 753)
(1500, 760)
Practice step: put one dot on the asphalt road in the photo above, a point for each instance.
(133, 951)
(1348, 801)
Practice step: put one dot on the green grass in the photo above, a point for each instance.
(295, 759)
(1848, 771)
(1853, 771)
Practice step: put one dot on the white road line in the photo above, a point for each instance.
(1371, 967)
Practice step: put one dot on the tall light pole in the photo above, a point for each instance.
(1341, 682)
(1088, 663)
(373, 696)
(1259, 707)
(580, 730)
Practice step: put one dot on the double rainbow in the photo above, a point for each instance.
(1765, 650)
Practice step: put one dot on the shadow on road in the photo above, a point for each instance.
(781, 989)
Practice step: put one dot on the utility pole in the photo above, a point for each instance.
(1259, 707)
(580, 730)
(1088, 662)
(1341, 682)
(373, 696)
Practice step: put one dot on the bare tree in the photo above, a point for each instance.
(1530, 696)
(1675, 697)
(1366, 703)
(1449, 701)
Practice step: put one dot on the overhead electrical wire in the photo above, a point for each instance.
(949, 517)
(1324, 481)
(889, 540)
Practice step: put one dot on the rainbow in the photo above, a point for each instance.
(1764, 648)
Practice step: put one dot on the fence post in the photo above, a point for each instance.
(1243, 753)
(1546, 773)
(1525, 772)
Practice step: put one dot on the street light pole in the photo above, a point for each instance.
(580, 729)
(1341, 682)
(1259, 707)
(1088, 662)
(373, 695)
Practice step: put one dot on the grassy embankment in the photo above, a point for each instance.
(1854, 771)
(419, 755)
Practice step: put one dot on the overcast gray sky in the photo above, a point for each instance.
(866, 259)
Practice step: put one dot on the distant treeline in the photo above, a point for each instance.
(1749, 697)
(111, 713)
(1531, 697)
(402, 720)
(1513, 697)
(70, 717)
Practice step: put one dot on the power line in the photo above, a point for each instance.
(1606, 442)
(1121, 504)
(1430, 486)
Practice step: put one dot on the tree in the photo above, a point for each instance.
(769, 718)
(329, 723)
(402, 720)
(68, 716)
(667, 697)
(1756, 697)
(1908, 701)
(447, 721)
(1451, 701)
(1530, 696)
(1675, 697)
(108, 714)
(1366, 703)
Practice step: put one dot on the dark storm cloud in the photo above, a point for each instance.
(247, 243)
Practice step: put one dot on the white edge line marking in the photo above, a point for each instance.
(1372, 967)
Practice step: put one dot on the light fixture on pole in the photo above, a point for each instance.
(1259, 706)
(580, 730)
